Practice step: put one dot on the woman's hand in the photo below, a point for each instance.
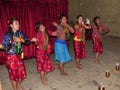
(33, 40)
(70, 28)
(1, 46)
(55, 24)
(66, 25)
(17, 39)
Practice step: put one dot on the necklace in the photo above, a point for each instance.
(66, 29)
(45, 39)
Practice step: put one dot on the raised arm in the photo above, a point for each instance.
(104, 28)
(76, 27)
(55, 24)
(55, 33)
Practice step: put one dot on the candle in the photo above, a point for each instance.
(107, 74)
(117, 66)
(101, 87)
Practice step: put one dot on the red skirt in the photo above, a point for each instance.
(79, 49)
(97, 46)
(16, 68)
(44, 63)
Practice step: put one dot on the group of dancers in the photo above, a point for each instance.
(14, 39)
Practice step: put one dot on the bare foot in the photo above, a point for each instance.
(64, 74)
(44, 82)
(78, 66)
(45, 79)
(20, 88)
(58, 68)
(97, 62)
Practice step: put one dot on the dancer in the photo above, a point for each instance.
(61, 50)
(12, 44)
(41, 41)
(79, 39)
(98, 30)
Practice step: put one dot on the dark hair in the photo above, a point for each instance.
(62, 15)
(10, 29)
(37, 25)
(94, 20)
(79, 16)
(12, 20)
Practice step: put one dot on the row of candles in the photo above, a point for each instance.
(107, 74)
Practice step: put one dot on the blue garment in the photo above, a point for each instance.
(61, 51)
(9, 44)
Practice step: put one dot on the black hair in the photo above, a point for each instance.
(37, 25)
(79, 16)
(95, 18)
(62, 15)
(94, 21)
(12, 20)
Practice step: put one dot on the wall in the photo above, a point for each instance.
(108, 10)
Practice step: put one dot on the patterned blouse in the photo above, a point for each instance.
(12, 47)
(97, 33)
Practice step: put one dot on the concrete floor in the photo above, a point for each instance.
(88, 78)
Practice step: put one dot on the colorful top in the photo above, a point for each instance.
(79, 35)
(98, 33)
(12, 47)
(42, 41)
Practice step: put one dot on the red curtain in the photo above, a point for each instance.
(28, 12)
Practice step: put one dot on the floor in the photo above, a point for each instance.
(88, 78)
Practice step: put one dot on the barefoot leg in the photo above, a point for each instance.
(97, 58)
(20, 86)
(78, 63)
(43, 79)
(14, 85)
(61, 67)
